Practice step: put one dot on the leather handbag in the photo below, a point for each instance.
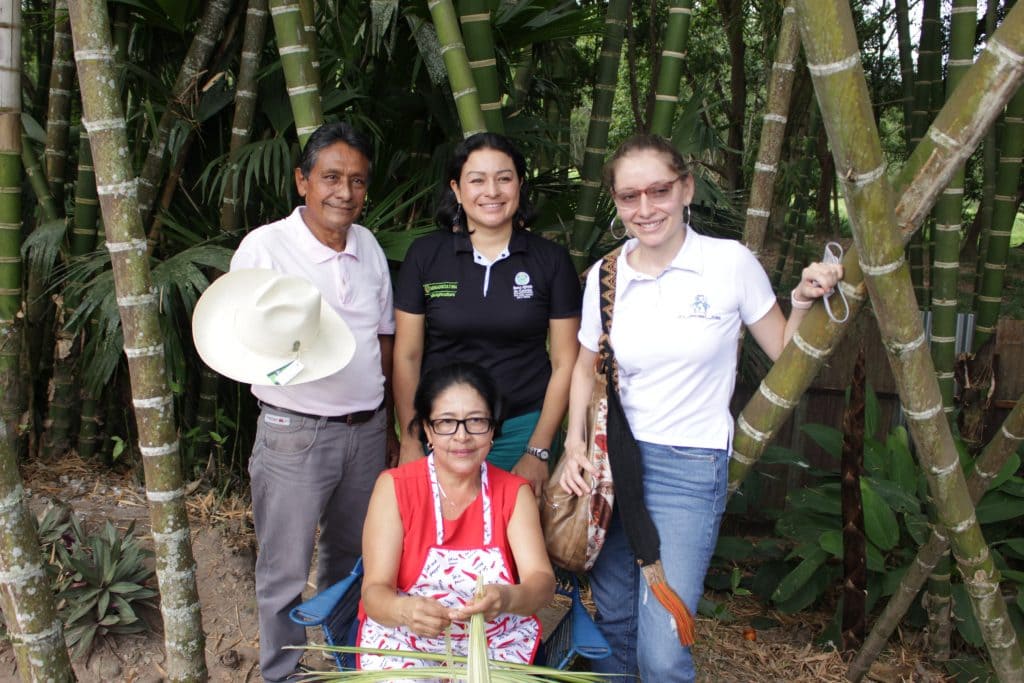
(575, 526)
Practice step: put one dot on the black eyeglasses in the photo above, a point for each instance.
(446, 426)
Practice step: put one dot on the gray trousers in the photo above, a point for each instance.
(306, 472)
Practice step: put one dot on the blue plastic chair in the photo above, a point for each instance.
(336, 612)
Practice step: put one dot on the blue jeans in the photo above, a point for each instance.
(685, 491)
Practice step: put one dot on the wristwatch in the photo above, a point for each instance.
(541, 454)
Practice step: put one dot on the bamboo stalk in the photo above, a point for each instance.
(475, 18)
(28, 605)
(773, 129)
(584, 230)
(1004, 210)
(59, 107)
(670, 66)
(460, 75)
(181, 100)
(300, 77)
(245, 109)
(137, 303)
(830, 42)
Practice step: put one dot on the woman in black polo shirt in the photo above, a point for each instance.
(485, 289)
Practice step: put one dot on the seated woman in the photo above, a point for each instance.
(437, 523)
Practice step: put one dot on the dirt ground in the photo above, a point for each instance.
(224, 547)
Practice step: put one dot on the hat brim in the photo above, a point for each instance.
(213, 331)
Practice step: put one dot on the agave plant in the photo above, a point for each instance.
(104, 582)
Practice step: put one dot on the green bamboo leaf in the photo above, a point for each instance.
(734, 548)
(832, 543)
(829, 438)
(880, 523)
(823, 498)
(966, 624)
(918, 527)
(902, 469)
(996, 506)
(1016, 545)
(894, 495)
(799, 576)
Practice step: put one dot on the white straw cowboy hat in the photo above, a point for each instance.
(261, 327)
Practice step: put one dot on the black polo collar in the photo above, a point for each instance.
(516, 244)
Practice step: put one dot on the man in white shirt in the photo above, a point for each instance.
(320, 445)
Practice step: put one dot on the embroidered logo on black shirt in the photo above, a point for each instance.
(522, 289)
(440, 290)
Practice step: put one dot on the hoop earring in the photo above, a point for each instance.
(457, 220)
(686, 215)
(611, 229)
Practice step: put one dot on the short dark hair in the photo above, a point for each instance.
(438, 380)
(642, 142)
(448, 205)
(329, 134)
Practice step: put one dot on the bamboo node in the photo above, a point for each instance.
(739, 457)
(812, 351)
(884, 269)
(943, 139)
(760, 213)
(159, 451)
(1004, 54)
(754, 434)
(778, 400)
(51, 633)
(831, 68)
(175, 536)
(900, 348)
(164, 497)
(1010, 435)
(142, 351)
(765, 168)
(152, 403)
(963, 526)
(776, 118)
(862, 179)
(934, 469)
(21, 573)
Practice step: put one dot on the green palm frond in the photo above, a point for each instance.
(527, 22)
(42, 247)
(179, 281)
(268, 163)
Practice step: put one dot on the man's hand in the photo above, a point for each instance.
(411, 450)
(535, 470)
(392, 448)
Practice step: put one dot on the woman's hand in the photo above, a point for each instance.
(425, 617)
(573, 480)
(818, 279)
(491, 602)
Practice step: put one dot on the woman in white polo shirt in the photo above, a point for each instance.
(680, 298)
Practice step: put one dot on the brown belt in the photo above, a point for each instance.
(356, 418)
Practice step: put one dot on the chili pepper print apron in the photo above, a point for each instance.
(449, 575)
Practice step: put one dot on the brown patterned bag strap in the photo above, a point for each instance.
(606, 278)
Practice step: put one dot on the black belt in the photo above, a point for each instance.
(356, 418)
